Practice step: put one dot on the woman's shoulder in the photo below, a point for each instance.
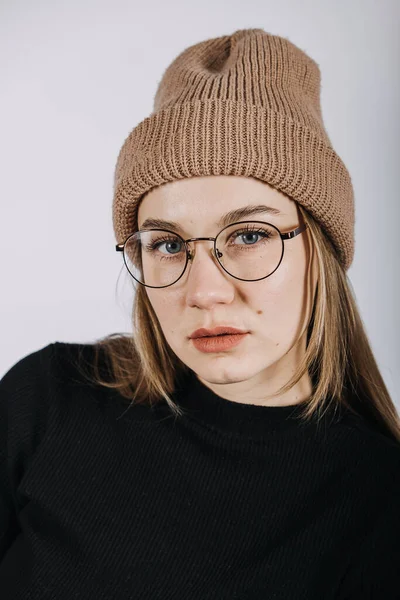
(43, 377)
(43, 387)
(56, 359)
(28, 373)
(26, 393)
(374, 450)
(371, 432)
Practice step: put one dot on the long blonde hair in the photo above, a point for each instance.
(143, 368)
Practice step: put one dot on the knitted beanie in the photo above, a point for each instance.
(245, 104)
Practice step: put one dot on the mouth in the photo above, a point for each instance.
(218, 343)
(220, 331)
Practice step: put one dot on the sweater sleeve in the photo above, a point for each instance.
(23, 395)
(375, 573)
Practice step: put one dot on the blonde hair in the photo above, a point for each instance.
(338, 355)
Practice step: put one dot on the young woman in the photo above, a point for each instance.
(241, 442)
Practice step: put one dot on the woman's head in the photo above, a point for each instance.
(236, 121)
(275, 310)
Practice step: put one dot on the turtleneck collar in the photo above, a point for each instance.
(201, 404)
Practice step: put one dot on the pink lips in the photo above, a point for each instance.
(218, 343)
(201, 333)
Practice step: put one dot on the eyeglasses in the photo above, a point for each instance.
(246, 250)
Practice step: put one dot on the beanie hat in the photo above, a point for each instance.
(245, 104)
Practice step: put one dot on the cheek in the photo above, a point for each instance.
(167, 308)
(280, 303)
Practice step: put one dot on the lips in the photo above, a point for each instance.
(202, 332)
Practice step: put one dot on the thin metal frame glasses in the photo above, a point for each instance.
(190, 254)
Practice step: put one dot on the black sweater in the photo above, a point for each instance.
(232, 501)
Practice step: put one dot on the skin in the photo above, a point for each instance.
(275, 310)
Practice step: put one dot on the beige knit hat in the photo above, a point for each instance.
(242, 104)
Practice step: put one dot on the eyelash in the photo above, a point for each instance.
(156, 243)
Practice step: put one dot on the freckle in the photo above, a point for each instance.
(259, 312)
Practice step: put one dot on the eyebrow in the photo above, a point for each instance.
(230, 217)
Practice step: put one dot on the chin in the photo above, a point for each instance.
(225, 380)
(218, 374)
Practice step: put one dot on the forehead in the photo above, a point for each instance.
(206, 198)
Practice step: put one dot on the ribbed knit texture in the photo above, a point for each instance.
(245, 104)
(101, 501)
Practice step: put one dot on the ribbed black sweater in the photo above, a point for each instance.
(232, 501)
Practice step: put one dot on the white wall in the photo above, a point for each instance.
(77, 76)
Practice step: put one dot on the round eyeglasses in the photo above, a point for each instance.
(246, 250)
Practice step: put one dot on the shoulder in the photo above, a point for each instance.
(27, 369)
(41, 389)
(374, 457)
(24, 387)
(34, 371)
(367, 434)
(24, 394)
(38, 380)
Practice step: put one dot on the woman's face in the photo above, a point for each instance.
(275, 310)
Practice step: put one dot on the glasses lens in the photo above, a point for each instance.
(248, 250)
(155, 258)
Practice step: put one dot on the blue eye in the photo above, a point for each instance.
(157, 243)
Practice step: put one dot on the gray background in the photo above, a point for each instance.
(77, 76)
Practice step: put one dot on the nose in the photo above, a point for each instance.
(207, 282)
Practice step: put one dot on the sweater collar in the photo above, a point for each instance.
(200, 403)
